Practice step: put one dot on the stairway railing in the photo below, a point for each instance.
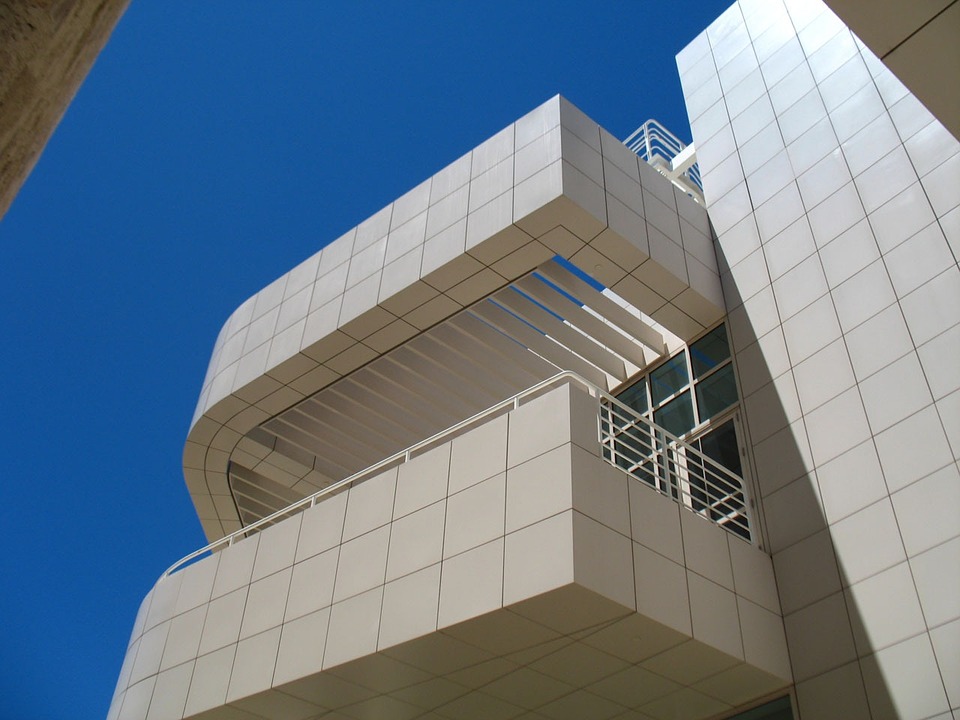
(668, 154)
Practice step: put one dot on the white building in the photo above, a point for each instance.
(561, 555)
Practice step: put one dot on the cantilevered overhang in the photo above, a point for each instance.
(446, 301)
(509, 573)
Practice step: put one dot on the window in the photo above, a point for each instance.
(669, 377)
(688, 389)
(716, 393)
(778, 709)
(713, 493)
(676, 416)
(710, 351)
(692, 396)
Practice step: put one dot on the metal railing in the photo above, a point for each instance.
(675, 468)
(661, 148)
(628, 440)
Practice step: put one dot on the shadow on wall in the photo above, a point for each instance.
(824, 628)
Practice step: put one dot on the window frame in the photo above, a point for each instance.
(699, 426)
(703, 427)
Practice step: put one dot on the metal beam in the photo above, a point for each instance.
(589, 323)
(606, 307)
(539, 343)
(572, 339)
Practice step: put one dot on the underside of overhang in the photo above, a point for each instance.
(564, 654)
(918, 42)
(551, 320)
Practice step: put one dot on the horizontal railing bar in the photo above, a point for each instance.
(700, 474)
(701, 483)
(673, 439)
(735, 514)
(672, 469)
(650, 454)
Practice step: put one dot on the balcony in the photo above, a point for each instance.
(506, 569)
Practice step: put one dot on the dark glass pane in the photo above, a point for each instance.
(632, 445)
(669, 378)
(716, 393)
(699, 499)
(635, 397)
(676, 416)
(744, 532)
(709, 351)
(627, 455)
(720, 445)
(777, 710)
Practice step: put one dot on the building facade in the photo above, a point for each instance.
(833, 193)
(561, 441)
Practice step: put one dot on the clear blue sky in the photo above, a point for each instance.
(215, 145)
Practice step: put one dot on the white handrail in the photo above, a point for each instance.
(660, 148)
(670, 443)
(640, 448)
(395, 459)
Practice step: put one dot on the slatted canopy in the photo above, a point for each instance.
(552, 319)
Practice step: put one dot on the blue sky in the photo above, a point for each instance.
(215, 145)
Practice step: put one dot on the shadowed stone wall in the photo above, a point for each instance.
(46, 50)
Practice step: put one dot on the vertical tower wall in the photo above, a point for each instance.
(835, 196)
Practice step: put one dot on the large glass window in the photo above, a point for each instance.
(721, 446)
(676, 417)
(687, 390)
(635, 397)
(710, 351)
(715, 493)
